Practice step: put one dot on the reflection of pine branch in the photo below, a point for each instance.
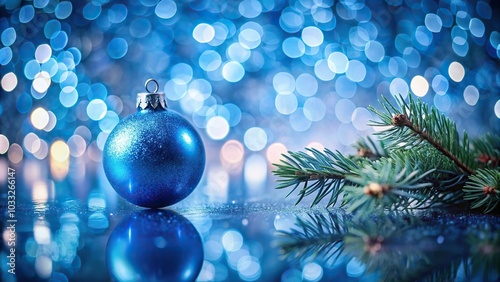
(485, 253)
(398, 247)
(421, 162)
(316, 235)
(443, 272)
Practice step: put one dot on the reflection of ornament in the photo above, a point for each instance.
(154, 245)
(155, 157)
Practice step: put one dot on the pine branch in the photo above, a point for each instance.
(414, 122)
(487, 150)
(420, 162)
(386, 184)
(320, 173)
(446, 178)
(395, 183)
(369, 148)
(483, 189)
(405, 121)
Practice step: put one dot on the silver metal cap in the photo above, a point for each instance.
(152, 100)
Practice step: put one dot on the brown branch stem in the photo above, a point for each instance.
(403, 120)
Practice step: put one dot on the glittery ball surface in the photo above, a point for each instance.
(154, 158)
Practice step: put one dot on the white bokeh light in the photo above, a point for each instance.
(419, 86)
(456, 71)
(255, 138)
(217, 128)
(42, 81)
(39, 118)
(203, 33)
(43, 53)
(233, 71)
(471, 95)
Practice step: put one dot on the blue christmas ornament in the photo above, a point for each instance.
(154, 158)
(154, 245)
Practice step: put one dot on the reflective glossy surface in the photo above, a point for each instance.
(154, 245)
(154, 158)
(259, 241)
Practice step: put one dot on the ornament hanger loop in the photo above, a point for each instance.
(157, 86)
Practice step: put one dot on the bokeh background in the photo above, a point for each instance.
(255, 77)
